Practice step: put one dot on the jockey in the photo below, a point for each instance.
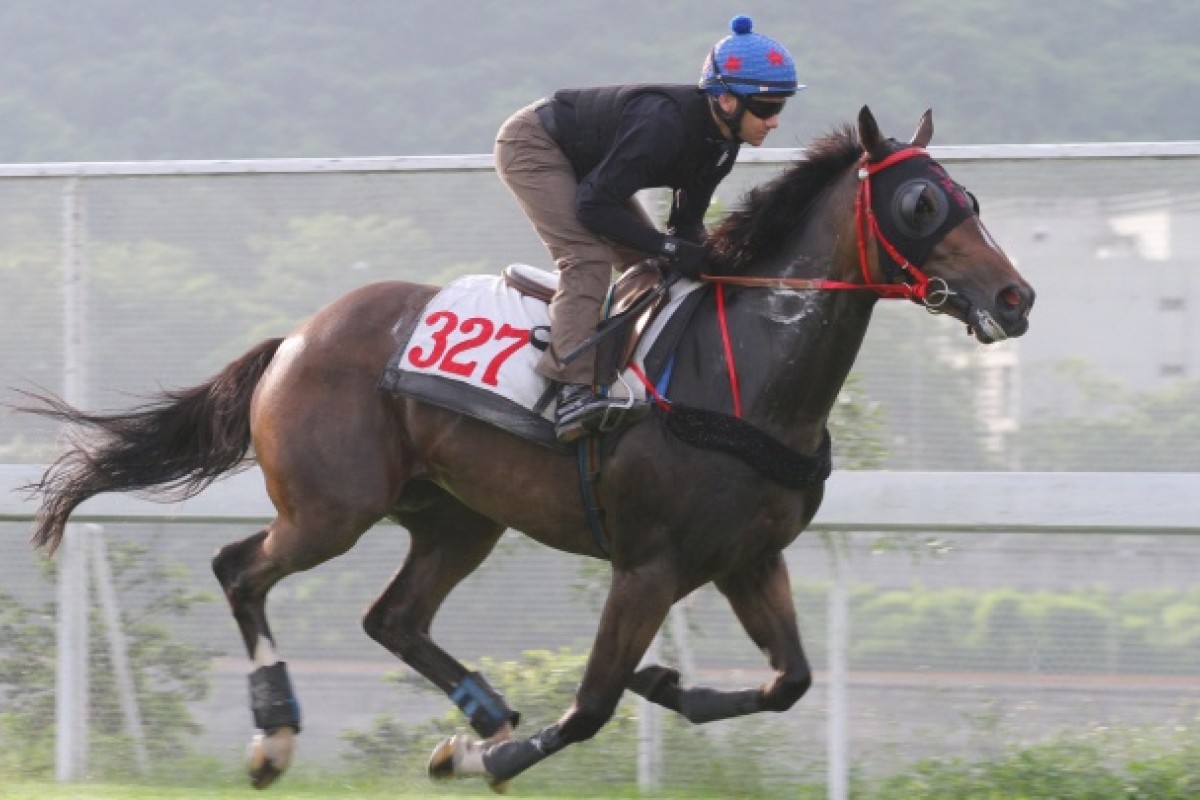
(575, 160)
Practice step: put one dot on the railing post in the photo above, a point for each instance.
(649, 765)
(71, 674)
(71, 677)
(110, 609)
(839, 638)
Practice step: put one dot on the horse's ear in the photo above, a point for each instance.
(868, 130)
(924, 130)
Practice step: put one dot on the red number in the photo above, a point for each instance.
(416, 356)
(519, 336)
(478, 330)
(465, 368)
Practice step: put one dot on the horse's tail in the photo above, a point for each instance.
(175, 445)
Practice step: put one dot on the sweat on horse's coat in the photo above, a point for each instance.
(338, 455)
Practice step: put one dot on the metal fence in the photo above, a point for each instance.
(959, 611)
(115, 278)
(1058, 605)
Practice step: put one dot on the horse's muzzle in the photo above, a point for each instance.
(1008, 318)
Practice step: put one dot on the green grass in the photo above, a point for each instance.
(324, 790)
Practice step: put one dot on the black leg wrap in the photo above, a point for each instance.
(661, 685)
(483, 705)
(658, 685)
(709, 705)
(508, 759)
(272, 699)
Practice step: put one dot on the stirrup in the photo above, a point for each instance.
(621, 414)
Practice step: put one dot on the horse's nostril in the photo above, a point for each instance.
(1010, 298)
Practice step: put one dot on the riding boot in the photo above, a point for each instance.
(581, 412)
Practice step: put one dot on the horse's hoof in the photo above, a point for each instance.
(269, 755)
(461, 757)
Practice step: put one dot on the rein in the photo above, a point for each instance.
(731, 433)
(931, 292)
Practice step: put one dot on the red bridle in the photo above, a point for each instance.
(867, 228)
(868, 225)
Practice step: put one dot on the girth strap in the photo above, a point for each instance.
(589, 480)
(767, 455)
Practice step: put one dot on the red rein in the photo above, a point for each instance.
(867, 227)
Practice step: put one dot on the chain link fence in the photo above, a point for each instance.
(118, 280)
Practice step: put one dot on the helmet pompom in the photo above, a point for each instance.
(741, 24)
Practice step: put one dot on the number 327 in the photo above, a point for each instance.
(455, 358)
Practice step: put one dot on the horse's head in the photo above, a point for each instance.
(930, 244)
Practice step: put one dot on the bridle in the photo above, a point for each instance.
(914, 284)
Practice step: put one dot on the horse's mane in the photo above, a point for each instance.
(767, 213)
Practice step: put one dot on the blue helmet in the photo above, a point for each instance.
(748, 63)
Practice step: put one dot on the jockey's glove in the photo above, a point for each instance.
(688, 258)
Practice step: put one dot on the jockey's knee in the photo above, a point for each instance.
(787, 688)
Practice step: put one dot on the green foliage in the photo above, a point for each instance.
(929, 385)
(856, 428)
(1136, 432)
(541, 686)
(1066, 769)
(1145, 632)
(26, 688)
(138, 79)
(167, 673)
(313, 259)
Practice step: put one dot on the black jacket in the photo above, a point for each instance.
(622, 139)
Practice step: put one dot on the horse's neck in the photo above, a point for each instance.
(799, 346)
(811, 339)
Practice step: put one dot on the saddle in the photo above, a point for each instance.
(625, 296)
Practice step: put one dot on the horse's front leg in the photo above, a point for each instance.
(637, 604)
(761, 597)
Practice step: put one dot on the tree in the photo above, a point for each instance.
(167, 673)
(1139, 432)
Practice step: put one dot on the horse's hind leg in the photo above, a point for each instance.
(761, 597)
(448, 542)
(247, 570)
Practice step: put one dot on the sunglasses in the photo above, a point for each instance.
(763, 109)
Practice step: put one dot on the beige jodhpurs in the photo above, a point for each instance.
(538, 173)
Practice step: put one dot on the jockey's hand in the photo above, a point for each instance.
(688, 258)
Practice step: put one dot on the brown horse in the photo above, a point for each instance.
(805, 259)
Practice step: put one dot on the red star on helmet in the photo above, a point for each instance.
(732, 64)
(775, 58)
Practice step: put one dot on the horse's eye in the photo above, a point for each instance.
(919, 208)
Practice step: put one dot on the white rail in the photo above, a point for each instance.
(475, 162)
(1025, 502)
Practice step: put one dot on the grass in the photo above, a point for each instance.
(322, 790)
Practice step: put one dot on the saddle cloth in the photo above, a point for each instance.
(470, 351)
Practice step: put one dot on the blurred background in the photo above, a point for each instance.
(138, 79)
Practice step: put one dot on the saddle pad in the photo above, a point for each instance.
(469, 351)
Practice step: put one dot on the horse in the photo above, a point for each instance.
(796, 270)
